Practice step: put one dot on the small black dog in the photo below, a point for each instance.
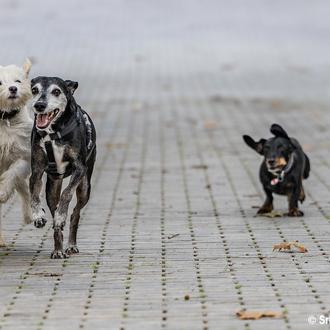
(63, 144)
(284, 167)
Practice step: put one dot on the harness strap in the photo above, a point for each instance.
(51, 165)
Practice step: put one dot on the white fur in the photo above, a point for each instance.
(37, 212)
(15, 138)
(55, 102)
(58, 151)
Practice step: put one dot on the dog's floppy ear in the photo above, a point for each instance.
(257, 146)
(278, 131)
(72, 86)
(27, 66)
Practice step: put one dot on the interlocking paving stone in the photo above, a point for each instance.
(169, 239)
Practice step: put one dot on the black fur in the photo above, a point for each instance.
(79, 151)
(282, 154)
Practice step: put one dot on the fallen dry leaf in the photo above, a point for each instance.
(200, 167)
(273, 214)
(300, 247)
(111, 146)
(275, 104)
(282, 246)
(210, 124)
(288, 246)
(172, 236)
(45, 274)
(309, 147)
(256, 315)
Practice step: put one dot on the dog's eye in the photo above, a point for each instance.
(0, 83)
(56, 92)
(18, 81)
(35, 91)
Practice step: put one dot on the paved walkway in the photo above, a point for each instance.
(169, 238)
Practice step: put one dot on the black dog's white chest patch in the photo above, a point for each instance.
(58, 152)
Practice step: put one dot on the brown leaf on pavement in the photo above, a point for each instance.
(273, 214)
(210, 124)
(288, 246)
(256, 315)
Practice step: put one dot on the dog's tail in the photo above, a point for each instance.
(307, 168)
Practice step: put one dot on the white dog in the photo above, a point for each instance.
(15, 132)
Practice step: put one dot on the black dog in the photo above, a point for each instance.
(284, 167)
(63, 144)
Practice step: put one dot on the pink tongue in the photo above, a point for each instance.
(42, 120)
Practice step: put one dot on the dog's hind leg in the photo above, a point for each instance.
(23, 190)
(83, 193)
(2, 241)
(293, 198)
(302, 195)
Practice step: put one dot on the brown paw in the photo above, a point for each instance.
(265, 209)
(295, 213)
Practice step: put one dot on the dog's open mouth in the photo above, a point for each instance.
(44, 119)
(12, 97)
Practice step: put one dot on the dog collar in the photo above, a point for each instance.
(5, 115)
(280, 177)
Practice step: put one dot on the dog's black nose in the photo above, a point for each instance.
(271, 162)
(40, 106)
(12, 89)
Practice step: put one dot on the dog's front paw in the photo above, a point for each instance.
(4, 196)
(39, 219)
(40, 222)
(72, 249)
(265, 209)
(58, 254)
(295, 212)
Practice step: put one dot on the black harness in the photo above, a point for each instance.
(60, 136)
